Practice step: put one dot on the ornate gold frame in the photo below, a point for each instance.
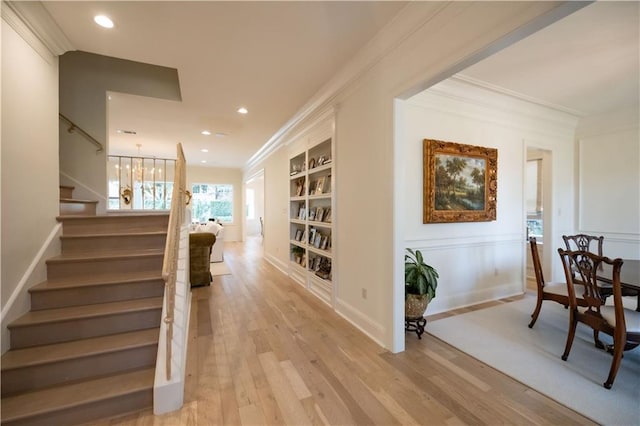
(433, 211)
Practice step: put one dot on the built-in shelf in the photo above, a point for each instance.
(311, 207)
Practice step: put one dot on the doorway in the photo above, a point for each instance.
(538, 198)
(254, 205)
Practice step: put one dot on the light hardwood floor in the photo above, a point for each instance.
(264, 351)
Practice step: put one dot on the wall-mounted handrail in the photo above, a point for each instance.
(170, 262)
(73, 127)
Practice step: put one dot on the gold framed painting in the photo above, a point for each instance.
(460, 182)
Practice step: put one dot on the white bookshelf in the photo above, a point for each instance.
(311, 212)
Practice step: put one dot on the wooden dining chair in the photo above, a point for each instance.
(584, 242)
(593, 244)
(581, 268)
(546, 291)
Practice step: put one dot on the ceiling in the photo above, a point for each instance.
(587, 63)
(271, 57)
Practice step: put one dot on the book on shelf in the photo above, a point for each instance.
(299, 187)
(324, 243)
(327, 215)
(319, 186)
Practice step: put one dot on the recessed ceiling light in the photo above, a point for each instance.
(243, 110)
(103, 21)
(203, 161)
(204, 150)
(221, 135)
(206, 132)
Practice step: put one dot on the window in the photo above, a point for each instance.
(212, 201)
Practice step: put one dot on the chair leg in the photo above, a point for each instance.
(597, 341)
(618, 347)
(536, 312)
(571, 334)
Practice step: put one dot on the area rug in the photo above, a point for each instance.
(499, 337)
(219, 268)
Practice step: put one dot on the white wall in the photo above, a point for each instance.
(257, 185)
(608, 169)
(29, 168)
(371, 250)
(85, 79)
(213, 175)
(276, 199)
(480, 261)
(424, 44)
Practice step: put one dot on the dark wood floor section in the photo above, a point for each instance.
(264, 351)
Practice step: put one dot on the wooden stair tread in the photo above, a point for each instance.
(80, 218)
(37, 355)
(75, 200)
(73, 395)
(86, 311)
(97, 280)
(114, 234)
(105, 255)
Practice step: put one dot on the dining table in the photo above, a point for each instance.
(629, 278)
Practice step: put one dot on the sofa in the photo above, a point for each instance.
(200, 244)
(217, 251)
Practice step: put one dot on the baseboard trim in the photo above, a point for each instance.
(55, 232)
(373, 330)
(277, 263)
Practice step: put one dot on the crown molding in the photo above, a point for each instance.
(36, 26)
(464, 98)
(411, 18)
(517, 95)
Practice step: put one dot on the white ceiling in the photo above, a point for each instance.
(588, 63)
(273, 56)
(268, 56)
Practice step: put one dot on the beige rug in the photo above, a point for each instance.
(219, 268)
(499, 337)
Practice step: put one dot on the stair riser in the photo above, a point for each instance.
(66, 192)
(77, 209)
(84, 413)
(114, 224)
(65, 331)
(64, 297)
(89, 268)
(41, 376)
(99, 244)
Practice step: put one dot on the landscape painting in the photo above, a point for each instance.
(460, 182)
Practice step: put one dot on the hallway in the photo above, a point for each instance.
(265, 351)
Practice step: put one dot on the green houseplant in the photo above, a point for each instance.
(420, 283)
(297, 253)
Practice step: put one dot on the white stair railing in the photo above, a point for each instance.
(172, 346)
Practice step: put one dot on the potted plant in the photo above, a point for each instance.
(297, 253)
(420, 283)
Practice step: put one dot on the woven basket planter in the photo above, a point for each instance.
(415, 305)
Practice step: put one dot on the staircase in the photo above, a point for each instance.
(87, 349)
